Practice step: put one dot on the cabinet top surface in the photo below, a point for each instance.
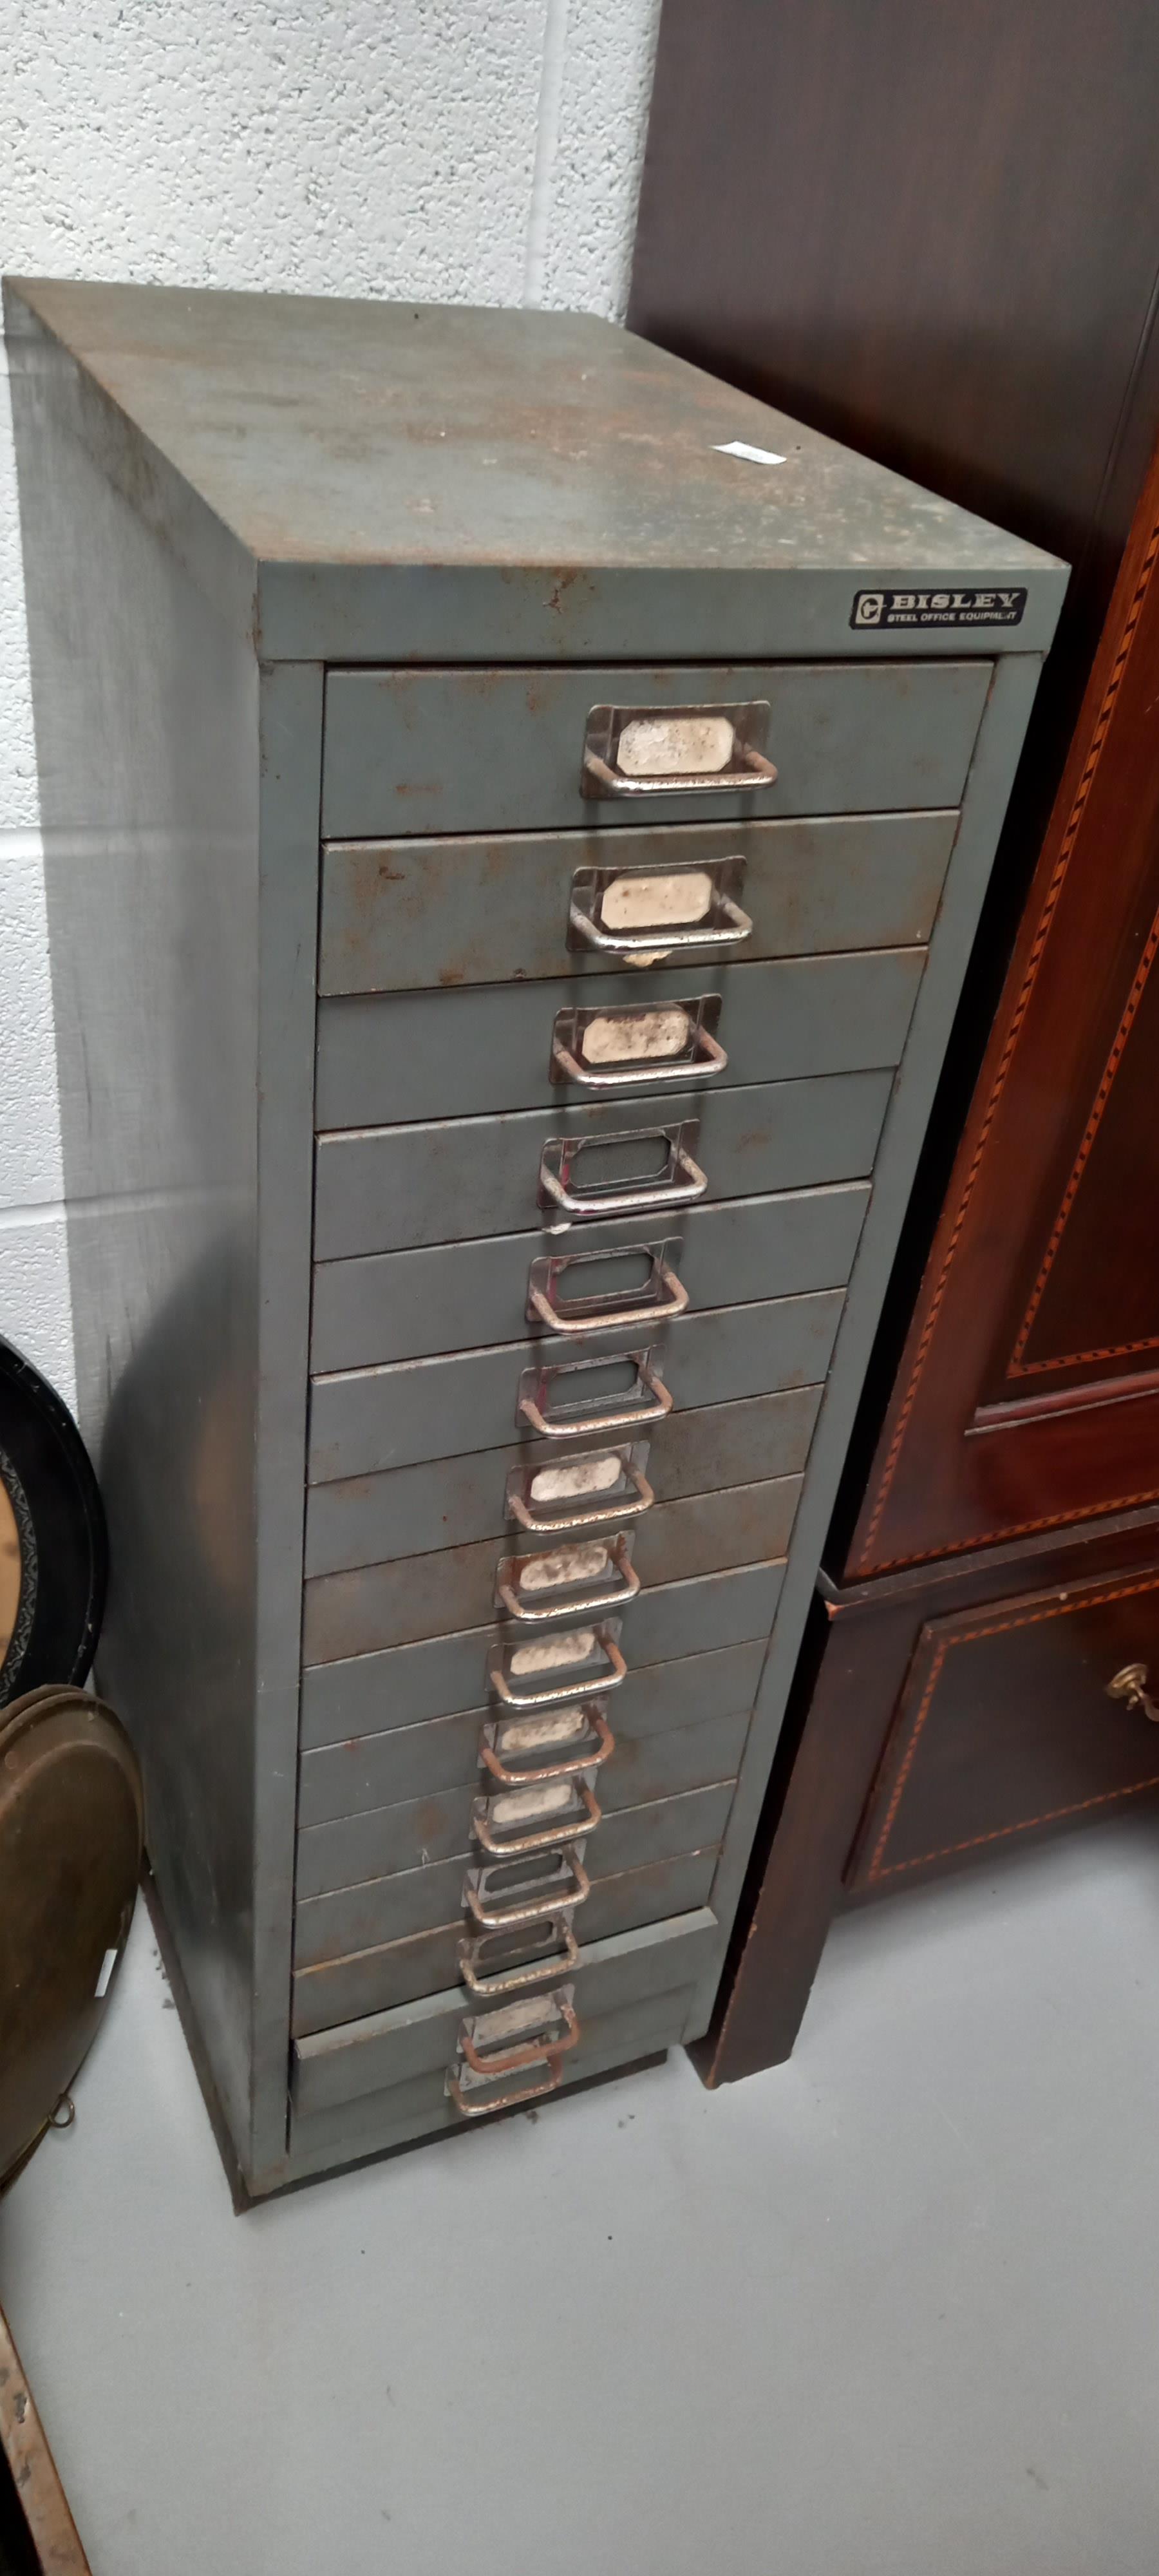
(322, 431)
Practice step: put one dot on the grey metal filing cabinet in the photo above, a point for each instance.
(516, 814)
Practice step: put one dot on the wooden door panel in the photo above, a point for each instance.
(1027, 1394)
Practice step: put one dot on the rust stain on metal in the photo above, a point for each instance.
(556, 596)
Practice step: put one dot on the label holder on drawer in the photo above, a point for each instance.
(679, 1182)
(623, 1046)
(676, 751)
(609, 909)
(659, 1300)
(571, 1422)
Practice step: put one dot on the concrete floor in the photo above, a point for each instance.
(890, 2309)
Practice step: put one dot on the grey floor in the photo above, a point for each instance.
(890, 2308)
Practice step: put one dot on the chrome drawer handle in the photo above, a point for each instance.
(496, 1744)
(540, 2045)
(522, 1481)
(513, 1572)
(729, 926)
(680, 1182)
(469, 2110)
(578, 1426)
(511, 1847)
(584, 1046)
(588, 1315)
(490, 1984)
(676, 751)
(493, 1917)
(555, 1695)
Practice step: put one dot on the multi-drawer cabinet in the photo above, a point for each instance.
(512, 854)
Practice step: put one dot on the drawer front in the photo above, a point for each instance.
(444, 1675)
(419, 1900)
(408, 915)
(421, 2108)
(375, 1606)
(368, 1420)
(411, 1762)
(370, 1520)
(375, 1980)
(1006, 1724)
(389, 1059)
(456, 1297)
(384, 1840)
(384, 2049)
(503, 750)
(386, 1189)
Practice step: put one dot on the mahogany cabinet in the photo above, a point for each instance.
(953, 1694)
(938, 232)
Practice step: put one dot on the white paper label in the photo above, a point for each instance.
(549, 1654)
(533, 2012)
(751, 455)
(563, 1567)
(598, 1475)
(656, 903)
(527, 1806)
(108, 1964)
(544, 1734)
(629, 1038)
(674, 746)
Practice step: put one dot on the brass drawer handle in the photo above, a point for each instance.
(618, 1048)
(490, 1984)
(676, 751)
(679, 1184)
(588, 1314)
(568, 1886)
(571, 1479)
(533, 1387)
(543, 2049)
(500, 1681)
(542, 1837)
(542, 1733)
(1131, 1685)
(512, 1581)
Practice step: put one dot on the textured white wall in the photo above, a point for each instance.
(480, 151)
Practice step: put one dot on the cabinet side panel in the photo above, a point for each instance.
(146, 709)
(291, 774)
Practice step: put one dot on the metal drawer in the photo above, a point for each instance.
(399, 1057)
(444, 1675)
(405, 915)
(364, 1421)
(369, 1520)
(373, 1606)
(395, 1972)
(388, 1189)
(391, 1306)
(503, 750)
(342, 1779)
(383, 2049)
(378, 1842)
(418, 1900)
(421, 2108)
